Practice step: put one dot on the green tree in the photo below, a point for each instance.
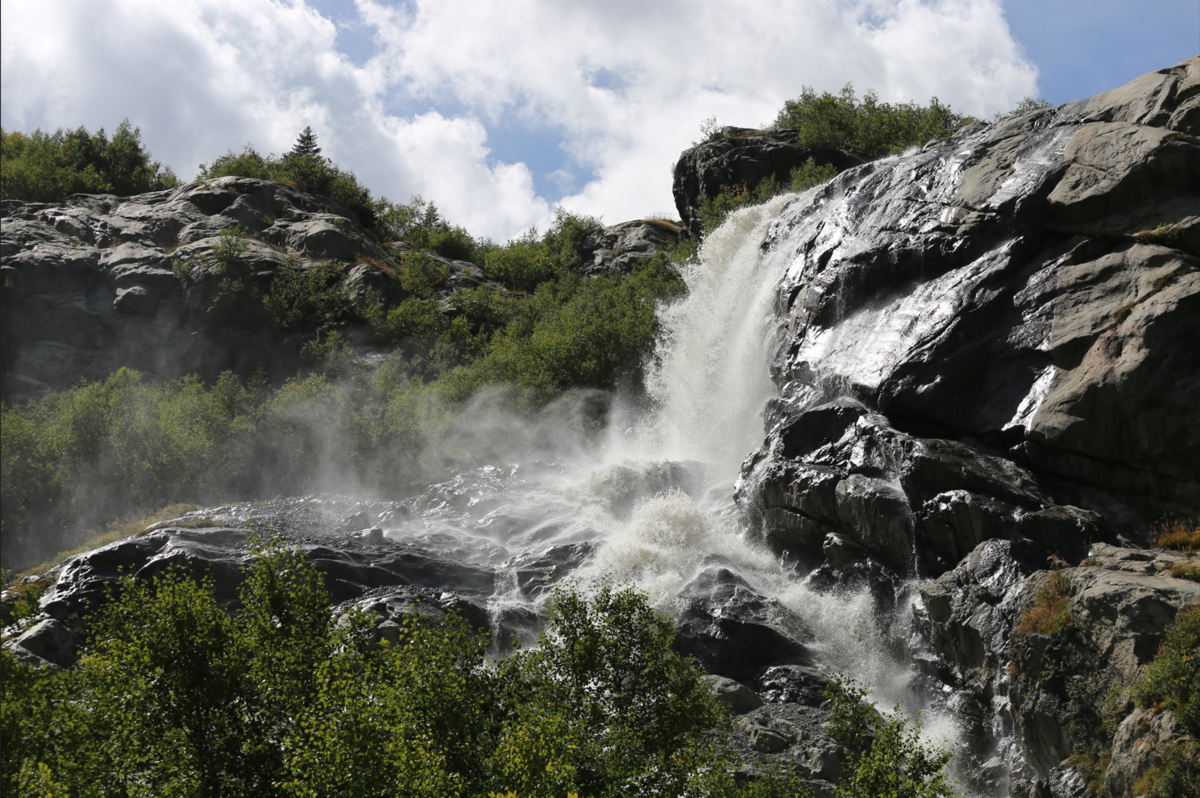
(843, 121)
(306, 144)
(41, 167)
(889, 759)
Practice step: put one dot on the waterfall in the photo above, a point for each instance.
(652, 504)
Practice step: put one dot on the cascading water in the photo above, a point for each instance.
(651, 503)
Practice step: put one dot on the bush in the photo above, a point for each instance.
(1178, 535)
(1050, 612)
(889, 760)
(419, 223)
(1172, 682)
(304, 299)
(42, 167)
(842, 121)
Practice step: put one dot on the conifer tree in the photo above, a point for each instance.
(306, 144)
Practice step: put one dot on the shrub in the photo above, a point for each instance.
(1172, 681)
(421, 275)
(302, 299)
(419, 223)
(42, 167)
(888, 758)
(1050, 612)
(842, 121)
(1178, 535)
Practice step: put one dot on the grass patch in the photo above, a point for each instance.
(1178, 535)
(1185, 570)
(1050, 612)
(1166, 235)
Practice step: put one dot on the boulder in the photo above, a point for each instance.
(734, 696)
(745, 158)
(620, 247)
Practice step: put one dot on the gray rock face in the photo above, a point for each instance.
(1120, 605)
(742, 157)
(734, 696)
(92, 286)
(987, 363)
(983, 341)
(617, 249)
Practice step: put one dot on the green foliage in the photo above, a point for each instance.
(306, 144)
(419, 223)
(1172, 680)
(304, 299)
(421, 274)
(575, 332)
(809, 174)
(176, 697)
(714, 210)
(44, 167)
(1178, 775)
(842, 121)
(1024, 106)
(890, 761)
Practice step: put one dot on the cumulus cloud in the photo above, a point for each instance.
(622, 86)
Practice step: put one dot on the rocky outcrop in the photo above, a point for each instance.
(1052, 685)
(744, 157)
(986, 371)
(97, 283)
(989, 340)
(620, 247)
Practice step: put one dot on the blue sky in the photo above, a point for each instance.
(499, 111)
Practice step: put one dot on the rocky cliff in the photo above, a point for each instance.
(98, 283)
(988, 368)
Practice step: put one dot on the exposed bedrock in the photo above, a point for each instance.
(97, 282)
(993, 338)
(988, 368)
(1044, 682)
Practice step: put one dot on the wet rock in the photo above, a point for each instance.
(48, 641)
(987, 340)
(793, 684)
(223, 554)
(1119, 616)
(733, 631)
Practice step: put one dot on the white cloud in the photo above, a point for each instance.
(624, 85)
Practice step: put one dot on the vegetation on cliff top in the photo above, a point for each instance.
(49, 167)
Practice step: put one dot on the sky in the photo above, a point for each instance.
(500, 111)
